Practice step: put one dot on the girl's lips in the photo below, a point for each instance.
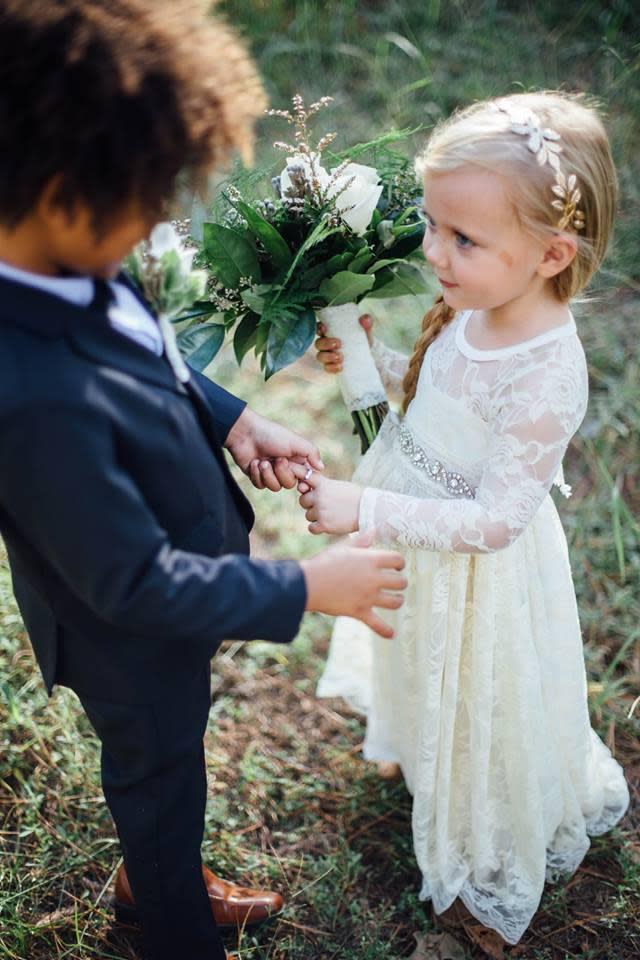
(445, 283)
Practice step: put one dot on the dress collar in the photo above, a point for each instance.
(477, 353)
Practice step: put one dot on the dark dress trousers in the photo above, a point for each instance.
(128, 544)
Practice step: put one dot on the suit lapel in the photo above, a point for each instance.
(198, 398)
(87, 329)
(100, 343)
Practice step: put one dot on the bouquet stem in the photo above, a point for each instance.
(360, 383)
(367, 423)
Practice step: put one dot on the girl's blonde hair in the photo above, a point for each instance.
(481, 136)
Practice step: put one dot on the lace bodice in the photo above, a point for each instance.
(501, 419)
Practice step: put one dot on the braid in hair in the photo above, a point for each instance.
(435, 320)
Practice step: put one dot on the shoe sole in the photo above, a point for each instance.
(128, 916)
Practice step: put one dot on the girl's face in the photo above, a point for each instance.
(478, 250)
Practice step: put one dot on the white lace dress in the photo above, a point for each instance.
(481, 697)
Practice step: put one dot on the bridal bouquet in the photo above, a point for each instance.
(327, 238)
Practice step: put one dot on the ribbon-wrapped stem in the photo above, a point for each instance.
(360, 383)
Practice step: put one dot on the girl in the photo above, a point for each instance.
(481, 699)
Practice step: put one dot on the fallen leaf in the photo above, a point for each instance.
(491, 943)
(57, 916)
(437, 946)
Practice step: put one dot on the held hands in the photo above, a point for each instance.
(265, 451)
(332, 506)
(328, 349)
(347, 580)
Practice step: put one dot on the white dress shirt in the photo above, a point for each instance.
(127, 315)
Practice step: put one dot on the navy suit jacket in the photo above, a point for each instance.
(126, 533)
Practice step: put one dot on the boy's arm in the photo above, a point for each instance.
(67, 494)
(251, 439)
(225, 407)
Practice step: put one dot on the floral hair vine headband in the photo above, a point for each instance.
(543, 142)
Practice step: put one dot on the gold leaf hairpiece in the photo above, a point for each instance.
(568, 199)
(544, 143)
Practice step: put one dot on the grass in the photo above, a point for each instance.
(290, 802)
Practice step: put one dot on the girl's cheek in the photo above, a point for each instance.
(506, 259)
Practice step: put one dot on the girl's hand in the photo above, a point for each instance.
(328, 348)
(331, 506)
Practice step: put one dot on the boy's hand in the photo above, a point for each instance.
(265, 451)
(328, 348)
(347, 580)
(332, 506)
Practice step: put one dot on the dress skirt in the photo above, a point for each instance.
(481, 698)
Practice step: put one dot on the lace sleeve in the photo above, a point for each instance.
(391, 365)
(537, 413)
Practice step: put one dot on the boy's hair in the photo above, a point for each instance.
(481, 136)
(110, 99)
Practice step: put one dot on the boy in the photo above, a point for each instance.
(127, 537)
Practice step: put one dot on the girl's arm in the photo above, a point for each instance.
(538, 413)
(392, 365)
(541, 411)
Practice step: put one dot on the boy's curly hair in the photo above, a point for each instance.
(111, 99)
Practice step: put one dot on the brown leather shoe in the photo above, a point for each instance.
(232, 906)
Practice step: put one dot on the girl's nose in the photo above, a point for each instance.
(434, 251)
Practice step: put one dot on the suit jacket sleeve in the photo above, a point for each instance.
(76, 505)
(225, 407)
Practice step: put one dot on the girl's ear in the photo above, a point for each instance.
(559, 253)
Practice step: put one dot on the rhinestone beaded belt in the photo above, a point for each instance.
(456, 485)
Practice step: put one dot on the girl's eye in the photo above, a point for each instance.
(464, 242)
(426, 219)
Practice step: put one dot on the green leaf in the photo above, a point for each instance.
(346, 287)
(322, 231)
(361, 261)
(229, 255)
(410, 239)
(288, 342)
(204, 309)
(339, 261)
(200, 343)
(312, 278)
(262, 335)
(253, 300)
(246, 336)
(131, 265)
(404, 281)
(379, 264)
(267, 233)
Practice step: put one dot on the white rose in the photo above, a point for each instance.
(164, 238)
(356, 203)
(302, 161)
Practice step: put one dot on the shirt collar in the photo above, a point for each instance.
(76, 290)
